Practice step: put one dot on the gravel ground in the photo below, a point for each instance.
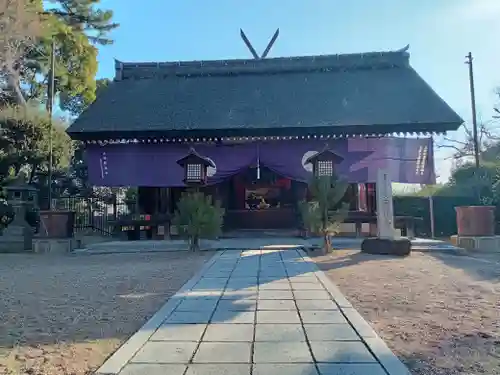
(439, 313)
(67, 314)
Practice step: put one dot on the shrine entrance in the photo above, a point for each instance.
(260, 199)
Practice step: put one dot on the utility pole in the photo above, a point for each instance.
(50, 105)
(473, 106)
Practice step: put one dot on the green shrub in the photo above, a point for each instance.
(32, 217)
(6, 214)
(198, 216)
(311, 216)
(325, 212)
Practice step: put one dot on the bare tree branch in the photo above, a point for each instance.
(464, 148)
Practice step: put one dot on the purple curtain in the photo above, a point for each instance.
(409, 160)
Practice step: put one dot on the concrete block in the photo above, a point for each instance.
(179, 332)
(322, 317)
(285, 369)
(318, 304)
(350, 369)
(153, 369)
(189, 317)
(278, 317)
(279, 332)
(307, 286)
(341, 351)
(223, 352)
(229, 332)
(330, 332)
(270, 304)
(165, 352)
(490, 244)
(275, 294)
(215, 369)
(237, 305)
(233, 317)
(311, 294)
(198, 304)
(281, 352)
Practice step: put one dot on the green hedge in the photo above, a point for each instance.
(445, 223)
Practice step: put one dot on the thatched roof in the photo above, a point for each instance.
(371, 92)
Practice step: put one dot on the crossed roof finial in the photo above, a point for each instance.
(252, 50)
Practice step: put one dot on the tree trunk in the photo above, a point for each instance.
(326, 238)
(34, 167)
(15, 89)
(194, 243)
(327, 247)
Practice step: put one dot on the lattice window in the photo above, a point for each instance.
(325, 168)
(194, 172)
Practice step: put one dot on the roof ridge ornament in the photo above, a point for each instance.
(404, 49)
(252, 50)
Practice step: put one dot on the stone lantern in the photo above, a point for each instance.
(21, 195)
(324, 163)
(18, 236)
(195, 168)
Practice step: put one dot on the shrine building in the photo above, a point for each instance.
(258, 121)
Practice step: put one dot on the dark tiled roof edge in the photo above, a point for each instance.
(355, 61)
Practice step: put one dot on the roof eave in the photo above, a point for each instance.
(272, 132)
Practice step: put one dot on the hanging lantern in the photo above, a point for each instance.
(195, 168)
(324, 162)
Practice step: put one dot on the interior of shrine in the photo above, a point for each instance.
(256, 198)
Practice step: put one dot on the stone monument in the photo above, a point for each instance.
(386, 242)
(18, 236)
(385, 210)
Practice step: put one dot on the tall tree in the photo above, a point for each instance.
(76, 104)
(78, 25)
(24, 140)
(20, 28)
(84, 16)
(75, 25)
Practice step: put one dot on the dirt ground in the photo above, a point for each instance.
(65, 315)
(439, 313)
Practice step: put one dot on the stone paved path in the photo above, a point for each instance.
(256, 312)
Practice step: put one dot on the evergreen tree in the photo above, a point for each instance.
(76, 26)
(326, 211)
(198, 216)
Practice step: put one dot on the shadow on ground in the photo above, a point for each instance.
(110, 296)
(480, 266)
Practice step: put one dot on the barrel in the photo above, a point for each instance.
(476, 221)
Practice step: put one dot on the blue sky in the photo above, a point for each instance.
(440, 34)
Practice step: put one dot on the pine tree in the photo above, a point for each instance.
(326, 211)
(198, 216)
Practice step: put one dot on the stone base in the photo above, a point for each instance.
(54, 245)
(83, 241)
(489, 244)
(384, 246)
(14, 246)
(16, 239)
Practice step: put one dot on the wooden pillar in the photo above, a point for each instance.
(353, 197)
(362, 197)
(371, 197)
(371, 200)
